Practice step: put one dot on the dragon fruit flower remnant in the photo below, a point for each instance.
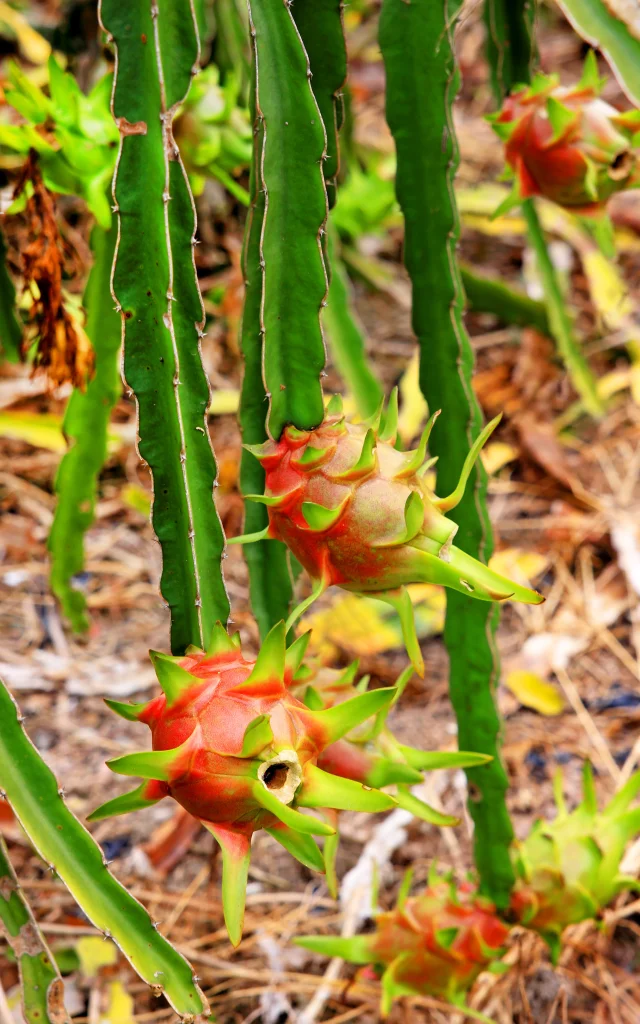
(435, 944)
(567, 144)
(239, 752)
(358, 513)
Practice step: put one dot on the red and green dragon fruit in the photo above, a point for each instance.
(567, 144)
(435, 944)
(568, 870)
(239, 752)
(358, 513)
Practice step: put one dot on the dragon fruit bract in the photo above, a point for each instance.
(238, 751)
(435, 944)
(566, 143)
(370, 753)
(569, 869)
(358, 513)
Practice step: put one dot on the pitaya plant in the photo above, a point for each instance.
(566, 143)
(568, 870)
(434, 944)
(358, 513)
(238, 751)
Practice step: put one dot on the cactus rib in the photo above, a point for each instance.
(69, 850)
(509, 25)
(416, 43)
(294, 277)
(156, 292)
(319, 23)
(40, 982)
(270, 583)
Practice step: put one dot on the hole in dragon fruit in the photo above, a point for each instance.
(621, 166)
(281, 775)
(276, 776)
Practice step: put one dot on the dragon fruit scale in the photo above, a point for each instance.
(568, 870)
(370, 753)
(435, 944)
(567, 144)
(235, 748)
(358, 513)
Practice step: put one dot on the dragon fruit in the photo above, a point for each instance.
(568, 870)
(566, 143)
(239, 752)
(435, 944)
(359, 514)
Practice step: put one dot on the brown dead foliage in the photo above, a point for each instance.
(64, 352)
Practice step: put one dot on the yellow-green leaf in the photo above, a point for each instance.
(120, 1006)
(533, 692)
(95, 952)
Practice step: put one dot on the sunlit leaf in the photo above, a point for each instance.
(533, 692)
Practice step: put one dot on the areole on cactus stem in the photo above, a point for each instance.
(434, 944)
(567, 144)
(359, 514)
(238, 751)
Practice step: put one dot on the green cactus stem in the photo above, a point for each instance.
(345, 337)
(10, 328)
(604, 26)
(157, 295)
(319, 23)
(85, 427)
(294, 277)
(416, 43)
(270, 583)
(41, 986)
(511, 305)
(66, 846)
(509, 26)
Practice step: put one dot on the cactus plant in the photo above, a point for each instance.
(420, 91)
(68, 849)
(568, 869)
(611, 28)
(40, 981)
(156, 292)
(434, 944)
(358, 513)
(238, 751)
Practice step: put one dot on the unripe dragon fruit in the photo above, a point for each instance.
(359, 514)
(567, 144)
(435, 944)
(568, 870)
(239, 752)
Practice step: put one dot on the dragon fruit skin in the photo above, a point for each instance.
(239, 752)
(357, 513)
(568, 870)
(566, 143)
(435, 944)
